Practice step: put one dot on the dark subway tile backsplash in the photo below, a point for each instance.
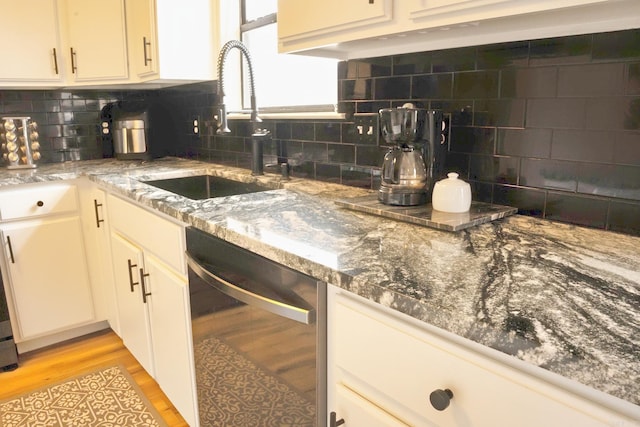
(551, 126)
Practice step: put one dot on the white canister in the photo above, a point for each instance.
(451, 195)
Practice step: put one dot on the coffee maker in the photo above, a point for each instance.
(416, 157)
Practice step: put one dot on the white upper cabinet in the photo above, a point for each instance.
(96, 41)
(300, 19)
(115, 43)
(171, 41)
(30, 57)
(354, 31)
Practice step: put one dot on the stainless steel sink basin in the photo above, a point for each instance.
(206, 186)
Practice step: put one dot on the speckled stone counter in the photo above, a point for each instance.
(558, 296)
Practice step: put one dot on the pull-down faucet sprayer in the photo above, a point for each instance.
(259, 135)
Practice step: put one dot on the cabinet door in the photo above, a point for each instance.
(171, 335)
(298, 19)
(34, 52)
(97, 40)
(132, 311)
(49, 278)
(454, 11)
(142, 40)
(397, 366)
(96, 233)
(358, 411)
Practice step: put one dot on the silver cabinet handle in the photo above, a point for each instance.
(278, 308)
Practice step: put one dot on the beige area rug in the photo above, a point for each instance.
(234, 391)
(108, 397)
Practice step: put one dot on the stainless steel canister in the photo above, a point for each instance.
(130, 137)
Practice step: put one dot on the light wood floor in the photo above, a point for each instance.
(56, 363)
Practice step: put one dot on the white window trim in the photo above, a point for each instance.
(229, 29)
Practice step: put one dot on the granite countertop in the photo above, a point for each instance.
(558, 296)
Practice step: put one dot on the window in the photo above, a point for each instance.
(283, 82)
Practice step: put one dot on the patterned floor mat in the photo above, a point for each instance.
(106, 397)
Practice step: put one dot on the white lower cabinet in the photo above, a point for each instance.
(153, 299)
(383, 369)
(46, 273)
(93, 204)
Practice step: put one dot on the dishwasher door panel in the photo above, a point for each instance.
(255, 365)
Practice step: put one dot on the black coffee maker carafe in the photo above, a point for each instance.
(416, 157)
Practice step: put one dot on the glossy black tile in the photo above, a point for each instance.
(369, 156)
(375, 67)
(438, 86)
(591, 80)
(499, 112)
(590, 146)
(303, 131)
(587, 211)
(529, 82)
(626, 148)
(392, 88)
(616, 45)
(503, 170)
(561, 113)
(551, 174)
(524, 142)
(623, 217)
(461, 59)
(315, 151)
(633, 79)
(560, 50)
(528, 201)
(412, 63)
(472, 140)
(458, 163)
(372, 106)
(619, 113)
(355, 176)
(461, 111)
(283, 130)
(503, 55)
(343, 70)
(327, 173)
(341, 153)
(329, 131)
(621, 182)
(355, 89)
(476, 85)
(481, 191)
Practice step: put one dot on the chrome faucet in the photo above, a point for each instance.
(259, 135)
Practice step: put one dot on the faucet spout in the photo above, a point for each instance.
(222, 111)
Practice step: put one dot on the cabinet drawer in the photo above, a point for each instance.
(397, 368)
(35, 201)
(157, 235)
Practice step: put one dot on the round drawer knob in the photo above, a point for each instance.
(440, 399)
(40, 203)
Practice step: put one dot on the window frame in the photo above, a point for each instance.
(297, 111)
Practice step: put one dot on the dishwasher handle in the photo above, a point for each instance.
(279, 308)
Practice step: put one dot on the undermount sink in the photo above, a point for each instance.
(200, 187)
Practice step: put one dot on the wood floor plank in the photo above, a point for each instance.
(58, 362)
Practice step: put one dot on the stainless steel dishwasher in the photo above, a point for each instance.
(259, 336)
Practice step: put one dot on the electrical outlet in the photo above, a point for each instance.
(366, 128)
(195, 122)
